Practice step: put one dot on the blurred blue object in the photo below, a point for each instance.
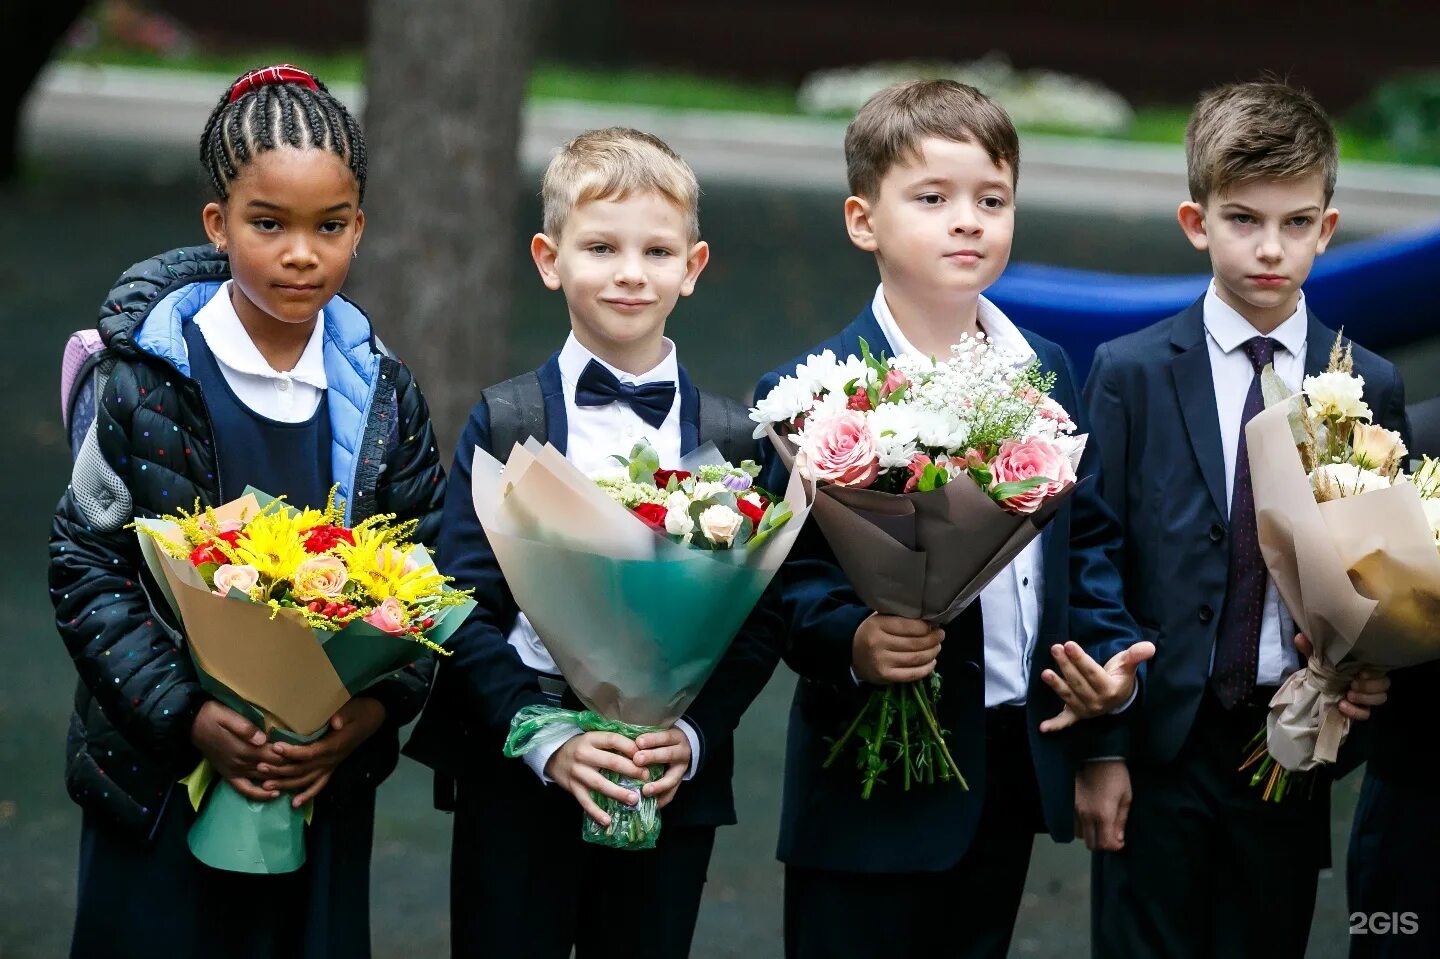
(1383, 290)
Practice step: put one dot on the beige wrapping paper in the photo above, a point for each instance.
(1360, 575)
(276, 665)
(921, 555)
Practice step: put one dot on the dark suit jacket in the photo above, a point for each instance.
(484, 683)
(824, 822)
(1152, 401)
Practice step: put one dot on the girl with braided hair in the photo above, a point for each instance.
(231, 365)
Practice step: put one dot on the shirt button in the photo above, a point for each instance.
(1206, 613)
(1025, 581)
(283, 386)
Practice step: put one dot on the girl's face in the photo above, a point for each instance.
(291, 225)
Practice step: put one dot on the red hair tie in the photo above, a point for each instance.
(270, 76)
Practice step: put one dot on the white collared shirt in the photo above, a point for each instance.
(286, 396)
(594, 434)
(1010, 605)
(1226, 332)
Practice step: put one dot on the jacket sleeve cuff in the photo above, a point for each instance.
(692, 734)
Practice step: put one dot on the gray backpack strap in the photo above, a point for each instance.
(727, 424)
(517, 412)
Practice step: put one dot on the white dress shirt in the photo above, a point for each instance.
(1225, 334)
(286, 396)
(1010, 605)
(594, 434)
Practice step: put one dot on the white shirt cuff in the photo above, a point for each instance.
(554, 737)
(1134, 691)
(694, 738)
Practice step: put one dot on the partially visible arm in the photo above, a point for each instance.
(144, 683)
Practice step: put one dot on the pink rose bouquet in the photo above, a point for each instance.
(976, 447)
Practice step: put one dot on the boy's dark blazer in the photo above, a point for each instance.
(824, 822)
(484, 683)
(1151, 397)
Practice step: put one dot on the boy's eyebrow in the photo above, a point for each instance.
(990, 184)
(1241, 207)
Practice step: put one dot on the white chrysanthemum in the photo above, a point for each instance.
(941, 430)
(897, 421)
(1338, 480)
(837, 377)
(1337, 395)
(814, 371)
(1432, 514)
(789, 398)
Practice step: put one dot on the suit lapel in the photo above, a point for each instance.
(1318, 341)
(1195, 386)
(557, 424)
(866, 327)
(689, 398)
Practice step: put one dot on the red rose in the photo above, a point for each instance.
(207, 553)
(322, 539)
(652, 513)
(231, 536)
(662, 477)
(752, 510)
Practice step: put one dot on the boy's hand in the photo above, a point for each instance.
(234, 746)
(305, 770)
(1368, 688)
(1102, 803)
(576, 767)
(1086, 688)
(892, 649)
(670, 749)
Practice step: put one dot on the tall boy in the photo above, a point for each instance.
(938, 870)
(1210, 869)
(621, 240)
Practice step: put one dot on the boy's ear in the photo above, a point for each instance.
(544, 251)
(213, 218)
(857, 223)
(1328, 221)
(1192, 220)
(694, 265)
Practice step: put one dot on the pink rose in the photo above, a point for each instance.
(1030, 458)
(840, 450)
(228, 577)
(388, 617)
(320, 576)
(893, 381)
(918, 462)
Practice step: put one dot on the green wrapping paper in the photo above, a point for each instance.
(643, 621)
(280, 674)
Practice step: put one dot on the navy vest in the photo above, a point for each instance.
(289, 459)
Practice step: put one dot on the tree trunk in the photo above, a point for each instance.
(446, 79)
(28, 35)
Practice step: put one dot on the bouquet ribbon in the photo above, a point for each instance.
(1305, 725)
(631, 827)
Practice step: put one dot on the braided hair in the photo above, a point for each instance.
(272, 107)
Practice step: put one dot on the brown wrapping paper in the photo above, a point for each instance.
(1360, 576)
(921, 555)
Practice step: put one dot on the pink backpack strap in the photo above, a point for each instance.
(80, 349)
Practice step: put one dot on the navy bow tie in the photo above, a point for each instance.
(599, 387)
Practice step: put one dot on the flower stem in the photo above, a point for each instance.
(845, 737)
(905, 732)
(922, 700)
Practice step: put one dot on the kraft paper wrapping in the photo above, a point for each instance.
(635, 622)
(1360, 575)
(278, 672)
(921, 555)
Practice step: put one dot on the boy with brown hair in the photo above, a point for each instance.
(937, 869)
(1210, 869)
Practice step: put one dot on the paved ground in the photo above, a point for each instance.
(782, 276)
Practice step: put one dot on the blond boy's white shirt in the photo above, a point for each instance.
(594, 434)
(1226, 332)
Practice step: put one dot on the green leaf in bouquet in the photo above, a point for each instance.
(932, 477)
(1003, 491)
(776, 515)
(898, 393)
